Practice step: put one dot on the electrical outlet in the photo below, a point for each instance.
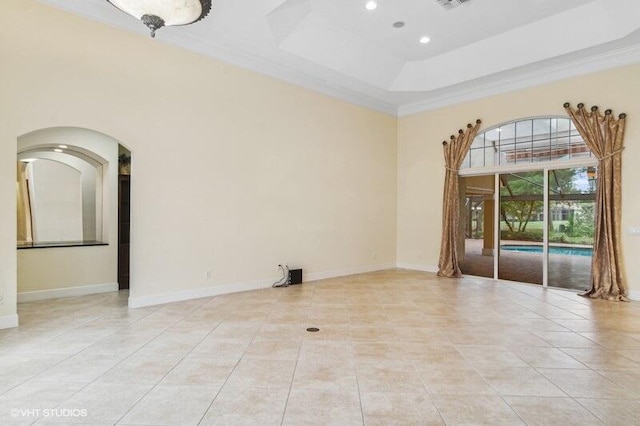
(207, 275)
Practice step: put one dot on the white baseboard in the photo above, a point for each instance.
(8, 321)
(634, 295)
(417, 267)
(32, 296)
(196, 293)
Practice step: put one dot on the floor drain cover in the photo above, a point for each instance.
(312, 329)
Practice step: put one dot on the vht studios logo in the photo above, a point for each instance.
(49, 412)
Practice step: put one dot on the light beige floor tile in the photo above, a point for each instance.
(99, 403)
(389, 330)
(273, 349)
(490, 357)
(547, 358)
(613, 340)
(632, 354)
(220, 347)
(388, 376)
(282, 331)
(316, 407)
(475, 409)
(121, 344)
(629, 380)
(139, 370)
(171, 344)
(613, 412)
(10, 381)
(172, 405)
(200, 371)
(537, 411)
(83, 368)
(232, 330)
(602, 359)
(585, 384)
(566, 339)
(246, 406)
(373, 334)
(329, 375)
(432, 356)
(327, 350)
(378, 350)
(265, 373)
(454, 380)
(30, 365)
(426, 335)
(519, 381)
(399, 409)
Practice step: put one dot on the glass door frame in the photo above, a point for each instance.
(529, 167)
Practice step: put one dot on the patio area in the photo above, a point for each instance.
(565, 271)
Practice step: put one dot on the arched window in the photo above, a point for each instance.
(527, 141)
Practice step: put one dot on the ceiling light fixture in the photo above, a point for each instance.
(371, 5)
(63, 146)
(424, 39)
(28, 160)
(156, 14)
(57, 150)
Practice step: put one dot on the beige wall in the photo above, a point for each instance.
(420, 163)
(232, 172)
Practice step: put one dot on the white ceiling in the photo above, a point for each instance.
(338, 47)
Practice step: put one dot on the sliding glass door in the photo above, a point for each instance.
(521, 216)
(571, 212)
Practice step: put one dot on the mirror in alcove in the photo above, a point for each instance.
(59, 196)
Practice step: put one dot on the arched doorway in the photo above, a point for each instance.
(68, 221)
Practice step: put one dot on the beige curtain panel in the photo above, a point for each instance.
(454, 152)
(604, 136)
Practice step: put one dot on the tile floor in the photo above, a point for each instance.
(394, 347)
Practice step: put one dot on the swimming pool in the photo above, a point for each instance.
(571, 251)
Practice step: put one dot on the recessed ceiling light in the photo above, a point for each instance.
(371, 5)
(28, 160)
(63, 146)
(57, 150)
(424, 39)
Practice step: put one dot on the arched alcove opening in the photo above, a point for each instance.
(68, 229)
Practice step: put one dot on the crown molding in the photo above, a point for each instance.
(516, 80)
